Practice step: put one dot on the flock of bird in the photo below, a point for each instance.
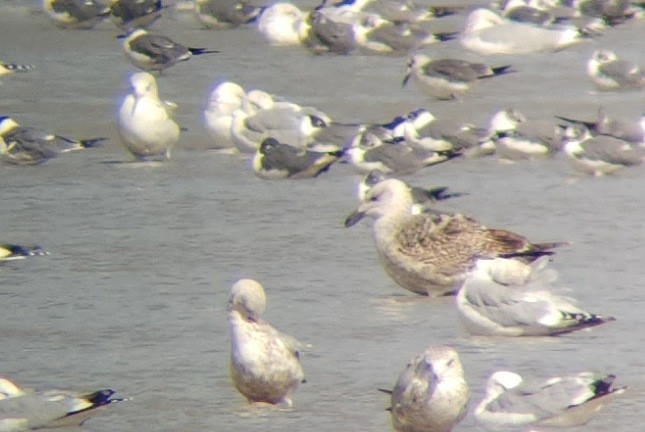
(500, 279)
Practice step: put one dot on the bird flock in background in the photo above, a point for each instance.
(500, 279)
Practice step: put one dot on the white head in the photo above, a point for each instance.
(248, 298)
(506, 120)
(480, 19)
(7, 124)
(144, 85)
(227, 93)
(500, 382)
(9, 389)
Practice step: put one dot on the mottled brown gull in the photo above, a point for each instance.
(431, 253)
(265, 364)
(510, 298)
(431, 394)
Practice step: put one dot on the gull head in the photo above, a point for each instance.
(7, 124)
(500, 382)
(441, 361)
(227, 93)
(603, 56)
(390, 196)
(506, 120)
(9, 389)
(248, 298)
(144, 85)
(414, 63)
(420, 117)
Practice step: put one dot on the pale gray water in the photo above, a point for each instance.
(133, 295)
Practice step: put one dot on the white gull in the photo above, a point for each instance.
(510, 298)
(225, 98)
(145, 123)
(609, 73)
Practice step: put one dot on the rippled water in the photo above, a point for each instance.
(133, 295)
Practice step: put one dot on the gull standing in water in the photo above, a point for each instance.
(151, 52)
(431, 394)
(22, 410)
(431, 253)
(21, 145)
(145, 122)
(448, 78)
(556, 402)
(510, 298)
(608, 73)
(265, 364)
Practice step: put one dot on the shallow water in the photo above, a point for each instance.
(134, 293)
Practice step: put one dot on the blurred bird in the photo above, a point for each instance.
(75, 14)
(225, 14)
(10, 252)
(131, 14)
(8, 68)
(608, 73)
(22, 410)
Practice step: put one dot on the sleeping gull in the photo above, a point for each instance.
(10, 252)
(556, 402)
(487, 33)
(510, 298)
(431, 253)
(283, 24)
(145, 123)
(447, 78)
(422, 196)
(265, 364)
(379, 36)
(325, 35)
(599, 155)
(225, 98)
(274, 160)
(151, 52)
(31, 146)
(431, 394)
(626, 129)
(518, 138)
(75, 14)
(608, 73)
(24, 410)
(130, 14)
(225, 14)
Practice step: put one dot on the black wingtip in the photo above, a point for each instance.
(200, 51)
(89, 143)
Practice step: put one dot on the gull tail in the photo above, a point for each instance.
(445, 36)
(441, 194)
(89, 143)
(580, 320)
(535, 251)
(12, 251)
(14, 67)
(200, 51)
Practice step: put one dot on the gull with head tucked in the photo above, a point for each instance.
(609, 73)
(145, 122)
(486, 33)
(265, 364)
(556, 402)
(510, 298)
(431, 394)
(431, 253)
(22, 410)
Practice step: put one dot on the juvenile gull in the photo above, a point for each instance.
(431, 394)
(274, 160)
(31, 146)
(265, 364)
(510, 298)
(448, 78)
(556, 402)
(75, 14)
(145, 123)
(599, 155)
(24, 410)
(10, 252)
(151, 52)
(431, 253)
(486, 33)
(608, 73)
